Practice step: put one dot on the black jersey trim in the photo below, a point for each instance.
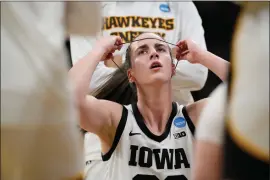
(147, 132)
(118, 134)
(189, 121)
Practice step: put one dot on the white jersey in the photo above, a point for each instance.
(138, 154)
(177, 20)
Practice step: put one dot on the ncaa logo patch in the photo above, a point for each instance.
(164, 8)
(179, 122)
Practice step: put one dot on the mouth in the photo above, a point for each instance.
(155, 65)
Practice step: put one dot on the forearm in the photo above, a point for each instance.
(216, 64)
(210, 155)
(81, 73)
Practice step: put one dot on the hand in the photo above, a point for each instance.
(108, 45)
(188, 50)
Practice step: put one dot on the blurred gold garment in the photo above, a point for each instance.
(39, 134)
(247, 126)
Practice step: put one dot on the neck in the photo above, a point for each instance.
(155, 105)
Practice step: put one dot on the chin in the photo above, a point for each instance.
(159, 78)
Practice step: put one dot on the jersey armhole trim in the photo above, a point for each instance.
(189, 121)
(118, 134)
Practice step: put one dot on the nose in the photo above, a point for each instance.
(154, 54)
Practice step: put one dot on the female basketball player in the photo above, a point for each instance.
(151, 138)
(173, 20)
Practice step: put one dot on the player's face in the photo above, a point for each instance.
(151, 60)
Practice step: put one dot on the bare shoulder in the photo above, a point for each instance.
(97, 116)
(114, 109)
(210, 155)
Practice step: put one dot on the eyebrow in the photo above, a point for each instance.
(159, 45)
(145, 46)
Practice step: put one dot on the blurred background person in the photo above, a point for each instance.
(39, 136)
(246, 145)
(239, 148)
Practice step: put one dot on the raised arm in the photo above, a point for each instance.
(97, 116)
(192, 52)
(80, 47)
(189, 50)
(216, 64)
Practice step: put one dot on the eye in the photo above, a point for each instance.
(161, 49)
(142, 52)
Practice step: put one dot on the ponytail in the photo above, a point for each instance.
(117, 88)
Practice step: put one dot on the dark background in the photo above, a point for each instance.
(219, 20)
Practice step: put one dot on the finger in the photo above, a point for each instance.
(181, 57)
(120, 47)
(178, 55)
(183, 46)
(119, 43)
(182, 50)
(118, 40)
(109, 56)
(184, 53)
(180, 42)
(113, 50)
(178, 52)
(116, 47)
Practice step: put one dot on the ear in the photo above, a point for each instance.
(130, 76)
(173, 69)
